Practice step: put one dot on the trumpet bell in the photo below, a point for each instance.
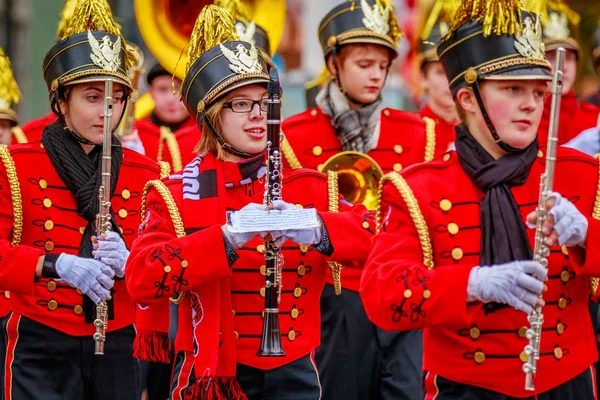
(358, 177)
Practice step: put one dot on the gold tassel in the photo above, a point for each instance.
(395, 31)
(91, 15)
(442, 11)
(237, 8)
(213, 26)
(320, 80)
(65, 16)
(501, 17)
(9, 90)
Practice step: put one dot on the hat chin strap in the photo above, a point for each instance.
(226, 146)
(502, 144)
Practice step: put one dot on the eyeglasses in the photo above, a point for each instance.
(246, 105)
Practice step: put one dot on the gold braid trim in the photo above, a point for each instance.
(167, 197)
(288, 153)
(414, 210)
(595, 281)
(165, 169)
(19, 135)
(334, 206)
(429, 138)
(168, 136)
(15, 194)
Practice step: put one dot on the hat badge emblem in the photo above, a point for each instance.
(557, 26)
(529, 43)
(242, 60)
(105, 54)
(375, 18)
(246, 33)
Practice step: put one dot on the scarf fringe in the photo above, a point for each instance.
(152, 346)
(215, 388)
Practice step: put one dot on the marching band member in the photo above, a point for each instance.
(9, 96)
(50, 199)
(359, 40)
(439, 105)
(453, 250)
(186, 254)
(561, 29)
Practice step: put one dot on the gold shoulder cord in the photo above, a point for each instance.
(289, 154)
(595, 281)
(165, 169)
(429, 138)
(414, 210)
(19, 135)
(15, 193)
(332, 190)
(169, 137)
(167, 197)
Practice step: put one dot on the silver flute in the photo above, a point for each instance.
(103, 220)
(541, 251)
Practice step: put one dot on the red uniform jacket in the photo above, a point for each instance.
(205, 259)
(34, 128)
(404, 139)
(32, 189)
(575, 117)
(444, 132)
(176, 148)
(416, 277)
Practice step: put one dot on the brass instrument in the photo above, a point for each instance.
(270, 342)
(541, 251)
(103, 220)
(135, 72)
(358, 177)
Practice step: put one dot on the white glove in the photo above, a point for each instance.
(238, 240)
(303, 237)
(113, 252)
(517, 283)
(92, 277)
(567, 224)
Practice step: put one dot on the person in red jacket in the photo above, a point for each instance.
(51, 261)
(453, 255)
(9, 96)
(215, 277)
(560, 27)
(439, 105)
(359, 44)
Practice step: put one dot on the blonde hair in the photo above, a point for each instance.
(208, 143)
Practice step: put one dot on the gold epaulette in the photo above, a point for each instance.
(334, 206)
(165, 169)
(18, 134)
(167, 197)
(15, 194)
(595, 281)
(169, 137)
(288, 153)
(429, 138)
(415, 213)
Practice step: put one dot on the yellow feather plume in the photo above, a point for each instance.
(237, 8)
(213, 26)
(502, 17)
(9, 90)
(65, 17)
(395, 31)
(91, 15)
(544, 7)
(442, 11)
(320, 80)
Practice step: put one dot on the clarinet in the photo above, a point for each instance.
(270, 341)
(103, 220)
(541, 251)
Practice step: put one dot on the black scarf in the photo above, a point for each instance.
(81, 174)
(503, 232)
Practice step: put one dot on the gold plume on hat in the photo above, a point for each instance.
(65, 17)
(442, 11)
(236, 8)
(213, 26)
(395, 31)
(544, 7)
(9, 90)
(502, 17)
